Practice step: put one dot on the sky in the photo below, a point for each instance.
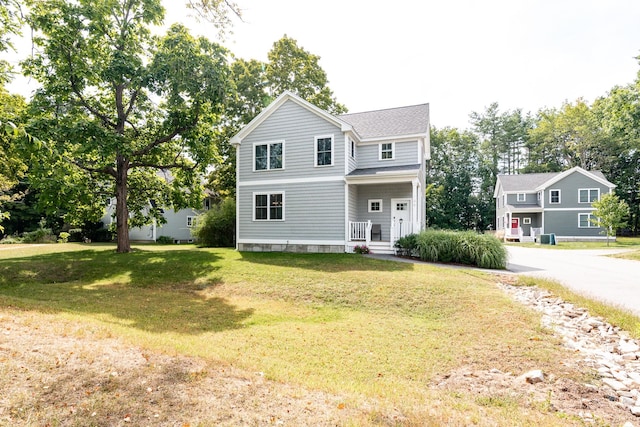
(457, 55)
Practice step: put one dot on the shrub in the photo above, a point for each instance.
(407, 245)
(463, 247)
(63, 237)
(217, 226)
(164, 240)
(41, 235)
(361, 249)
(10, 240)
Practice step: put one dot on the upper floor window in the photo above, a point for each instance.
(539, 195)
(353, 149)
(207, 204)
(268, 207)
(386, 151)
(588, 195)
(191, 221)
(554, 196)
(521, 197)
(268, 156)
(324, 150)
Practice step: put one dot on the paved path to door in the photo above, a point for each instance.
(588, 272)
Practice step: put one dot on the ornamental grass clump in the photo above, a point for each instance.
(462, 247)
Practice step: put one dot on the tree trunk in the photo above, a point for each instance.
(122, 211)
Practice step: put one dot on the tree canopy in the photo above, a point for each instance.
(122, 114)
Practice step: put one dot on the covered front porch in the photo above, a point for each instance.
(379, 213)
(523, 224)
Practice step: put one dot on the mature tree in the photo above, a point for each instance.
(126, 114)
(12, 166)
(218, 12)
(292, 68)
(10, 23)
(619, 116)
(452, 195)
(610, 213)
(566, 137)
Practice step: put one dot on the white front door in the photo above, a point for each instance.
(401, 223)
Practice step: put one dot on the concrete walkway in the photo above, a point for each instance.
(587, 272)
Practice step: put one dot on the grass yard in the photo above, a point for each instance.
(372, 337)
(619, 243)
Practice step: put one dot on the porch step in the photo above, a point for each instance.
(381, 248)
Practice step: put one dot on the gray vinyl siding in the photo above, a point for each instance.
(530, 199)
(298, 127)
(568, 187)
(405, 153)
(565, 223)
(176, 225)
(352, 161)
(312, 211)
(353, 203)
(386, 192)
(500, 210)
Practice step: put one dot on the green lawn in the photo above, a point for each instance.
(619, 243)
(341, 323)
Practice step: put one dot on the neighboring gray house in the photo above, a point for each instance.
(528, 205)
(178, 226)
(309, 181)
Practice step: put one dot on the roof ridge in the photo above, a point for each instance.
(384, 109)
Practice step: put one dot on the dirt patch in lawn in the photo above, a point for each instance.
(57, 372)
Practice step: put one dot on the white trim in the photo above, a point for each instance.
(588, 190)
(526, 221)
(589, 223)
(191, 221)
(397, 138)
(286, 181)
(370, 201)
(237, 194)
(268, 144)
(393, 151)
(268, 194)
(276, 104)
(569, 209)
(292, 242)
(569, 172)
(315, 150)
(559, 196)
(385, 179)
(524, 199)
(346, 213)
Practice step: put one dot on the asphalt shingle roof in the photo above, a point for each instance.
(381, 170)
(530, 181)
(399, 121)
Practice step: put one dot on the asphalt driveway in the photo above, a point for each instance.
(588, 272)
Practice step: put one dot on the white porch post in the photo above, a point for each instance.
(347, 228)
(368, 234)
(415, 208)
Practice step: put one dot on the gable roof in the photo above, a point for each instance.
(277, 103)
(390, 123)
(530, 182)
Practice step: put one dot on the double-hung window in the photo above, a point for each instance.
(386, 151)
(191, 221)
(267, 156)
(585, 220)
(323, 150)
(588, 195)
(521, 197)
(554, 196)
(268, 207)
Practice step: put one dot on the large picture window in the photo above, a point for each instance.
(267, 156)
(324, 150)
(588, 195)
(268, 207)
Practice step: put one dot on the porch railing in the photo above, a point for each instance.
(360, 231)
(400, 229)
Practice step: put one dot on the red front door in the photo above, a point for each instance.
(515, 222)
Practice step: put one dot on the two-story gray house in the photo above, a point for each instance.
(309, 181)
(531, 204)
